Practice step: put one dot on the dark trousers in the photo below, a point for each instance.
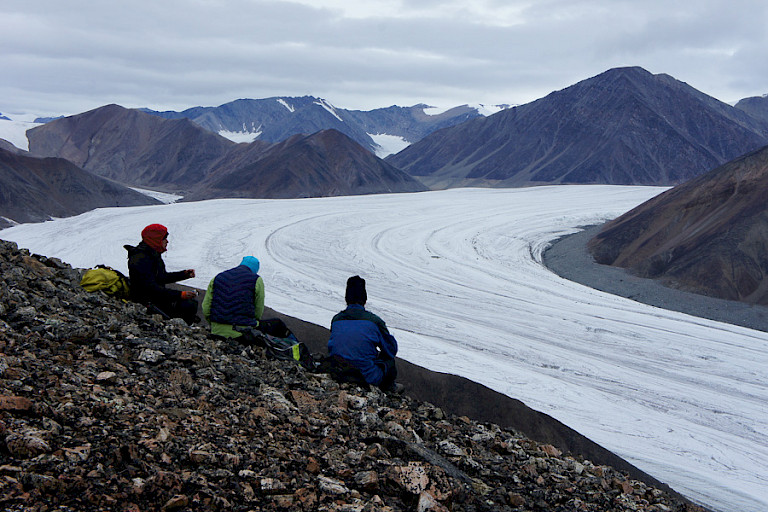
(390, 373)
(341, 370)
(186, 309)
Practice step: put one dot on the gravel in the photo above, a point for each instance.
(568, 257)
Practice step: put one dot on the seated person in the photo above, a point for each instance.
(234, 304)
(148, 276)
(361, 339)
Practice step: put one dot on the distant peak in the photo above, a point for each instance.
(628, 69)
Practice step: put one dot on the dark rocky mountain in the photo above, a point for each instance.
(276, 119)
(8, 146)
(340, 167)
(709, 235)
(132, 147)
(177, 155)
(104, 407)
(625, 126)
(36, 189)
(757, 107)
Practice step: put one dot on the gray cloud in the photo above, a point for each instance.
(68, 57)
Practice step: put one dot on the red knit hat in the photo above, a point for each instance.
(153, 236)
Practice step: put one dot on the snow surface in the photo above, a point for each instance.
(482, 109)
(163, 197)
(457, 276)
(388, 144)
(15, 130)
(244, 136)
(487, 110)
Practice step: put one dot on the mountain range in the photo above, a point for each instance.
(278, 118)
(178, 155)
(327, 163)
(625, 126)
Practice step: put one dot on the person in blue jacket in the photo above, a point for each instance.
(361, 338)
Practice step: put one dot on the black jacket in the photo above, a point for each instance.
(146, 270)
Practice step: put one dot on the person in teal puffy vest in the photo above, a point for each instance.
(234, 304)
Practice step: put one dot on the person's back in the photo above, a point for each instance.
(234, 304)
(361, 338)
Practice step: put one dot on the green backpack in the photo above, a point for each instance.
(107, 279)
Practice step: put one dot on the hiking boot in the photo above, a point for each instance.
(395, 388)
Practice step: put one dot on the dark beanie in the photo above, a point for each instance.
(356, 291)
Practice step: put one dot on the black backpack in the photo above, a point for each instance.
(288, 349)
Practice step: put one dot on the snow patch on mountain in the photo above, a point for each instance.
(482, 109)
(244, 136)
(327, 106)
(284, 103)
(388, 144)
(163, 197)
(488, 110)
(436, 111)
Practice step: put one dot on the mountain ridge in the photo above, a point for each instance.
(624, 126)
(177, 155)
(756, 106)
(707, 235)
(342, 167)
(36, 189)
(277, 118)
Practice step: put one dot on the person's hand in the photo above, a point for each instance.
(190, 272)
(188, 294)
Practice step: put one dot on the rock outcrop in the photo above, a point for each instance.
(103, 407)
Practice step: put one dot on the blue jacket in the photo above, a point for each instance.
(362, 338)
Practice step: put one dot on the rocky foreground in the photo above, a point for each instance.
(103, 407)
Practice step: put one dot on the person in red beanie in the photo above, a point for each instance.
(148, 276)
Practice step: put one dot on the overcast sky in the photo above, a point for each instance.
(66, 57)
